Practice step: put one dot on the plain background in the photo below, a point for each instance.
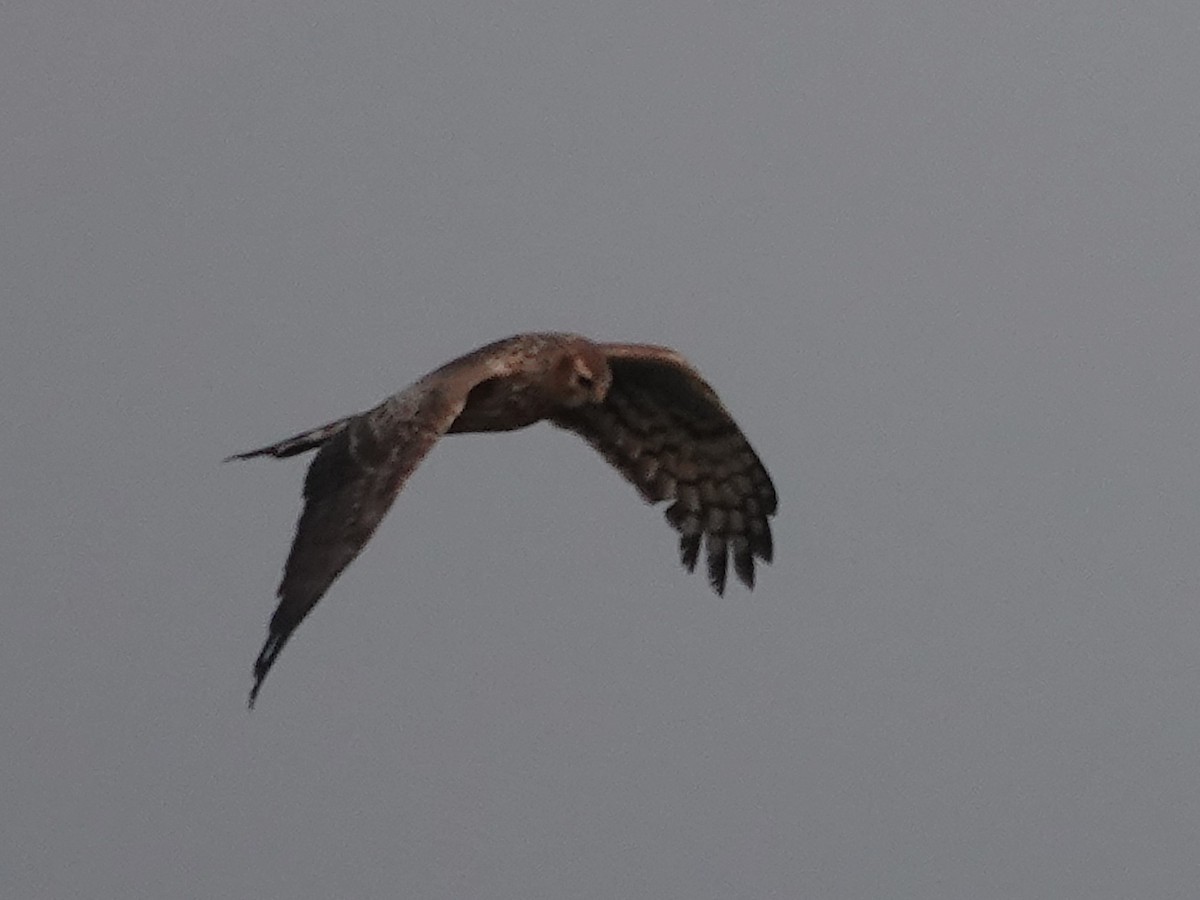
(941, 260)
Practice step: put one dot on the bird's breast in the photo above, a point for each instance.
(501, 405)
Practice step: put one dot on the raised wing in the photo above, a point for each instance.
(666, 430)
(362, 465)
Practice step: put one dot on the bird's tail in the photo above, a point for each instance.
(299, 443)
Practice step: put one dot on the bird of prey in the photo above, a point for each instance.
(644, 408)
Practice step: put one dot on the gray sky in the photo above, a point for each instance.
(941, 260)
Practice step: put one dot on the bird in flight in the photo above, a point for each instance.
(644, 408)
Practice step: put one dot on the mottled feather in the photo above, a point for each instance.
(646, 410)
(664, 428)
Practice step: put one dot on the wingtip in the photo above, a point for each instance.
(689, 551)
(259, 677)
(262, 665)
(718, 562)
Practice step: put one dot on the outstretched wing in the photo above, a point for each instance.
(362, 464)
(666, 430)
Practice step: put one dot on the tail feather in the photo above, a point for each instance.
(299, 443)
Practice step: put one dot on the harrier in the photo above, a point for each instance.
(644, 408)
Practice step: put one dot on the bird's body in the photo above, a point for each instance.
(644, 408)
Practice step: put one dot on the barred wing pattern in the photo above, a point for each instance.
(363, 463)
(664, 428)
(644, 408)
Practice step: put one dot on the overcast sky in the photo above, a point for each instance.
(942, 261)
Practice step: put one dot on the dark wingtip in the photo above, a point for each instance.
(689, 551)
(718, 562)
(743, 562)
(262, 665)
(762, 544)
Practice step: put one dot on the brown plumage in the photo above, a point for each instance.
(644, 408)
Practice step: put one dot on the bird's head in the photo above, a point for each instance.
(586, 376)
